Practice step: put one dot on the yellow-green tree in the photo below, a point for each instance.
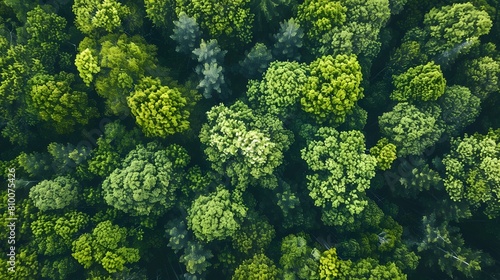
(52, 99)
(159, 110)
(332, 89)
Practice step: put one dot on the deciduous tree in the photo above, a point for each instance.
(159, 110)
(106, 246)
(340, 172)
(142, 185)
(216, 216)
(280, 89)
(412, 130)
(244, 146)
(230, 22)
(55, 194)
(332, 89)
(420, 83)
(473, 171)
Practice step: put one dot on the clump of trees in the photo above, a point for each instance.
(250, 139)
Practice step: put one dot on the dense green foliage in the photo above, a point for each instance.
(342, 173)
(250, 139)
(332, 89)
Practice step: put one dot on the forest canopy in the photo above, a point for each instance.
(250, 139)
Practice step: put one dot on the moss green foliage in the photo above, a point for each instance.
(360, 33)
(318, 17)
(105, 246)
(297, 258)
(54, 194)
(17, 66)
(94, 16)
(412, 130)
(122, 61)
(159, 110)
(53, 235)
(160, 12)
(28, 265)
(216, 216)
(46, 34)
(333, 87)
(337, 139)
(115, 143)
(408, 55)
(420, 83)
(230, 22)
(280, 89)
(450, 26)
(254, 235)
(258, 267)
(482, 76)
(52, 100)
(385, 153)
(370, 269)
(87, 64)
(472, 171)
(243, 145)
(141, 186)
(459, 108)
(340, 172)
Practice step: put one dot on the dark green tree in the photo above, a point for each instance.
(459, 108)
(482, 76)
(297, 258)
(229, 22)
(288, 41)
(256, 61)
(410, 129)
(160, 12)
(449, 251)
(254, 235)
(46, 33)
